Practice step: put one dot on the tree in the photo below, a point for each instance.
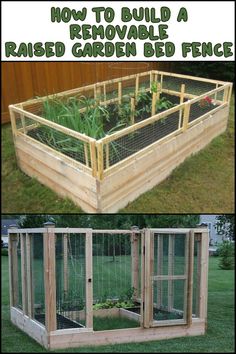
(226, 223)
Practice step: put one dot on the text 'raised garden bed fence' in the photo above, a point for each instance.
(174, 104)
(65, 283)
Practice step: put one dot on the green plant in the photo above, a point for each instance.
(4, 251)
(226, 254)
(163, 103)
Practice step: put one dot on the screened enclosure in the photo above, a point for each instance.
(87, 282)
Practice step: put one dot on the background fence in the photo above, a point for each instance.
(25, 80)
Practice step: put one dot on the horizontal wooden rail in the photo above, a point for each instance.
(189, 77)
(168, 277)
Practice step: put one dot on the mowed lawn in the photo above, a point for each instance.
(219, 337)
(204, 183)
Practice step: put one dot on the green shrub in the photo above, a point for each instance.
(4, 251)
(226, 254)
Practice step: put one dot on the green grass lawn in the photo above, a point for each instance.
(219, 337)
(203, 183)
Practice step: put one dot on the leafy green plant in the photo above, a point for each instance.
(226, 254)
(163, 103)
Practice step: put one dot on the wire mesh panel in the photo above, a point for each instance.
(112, 278)
(128, 144)
(38, 278)
(59, 141)
(169, 277)
(205, 105)
(70, 280)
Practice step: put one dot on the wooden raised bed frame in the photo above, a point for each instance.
(95, 185)
(52, 338)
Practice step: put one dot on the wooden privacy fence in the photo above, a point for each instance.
(24, 80)
(168, 269)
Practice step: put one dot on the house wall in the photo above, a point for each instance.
(211, 221)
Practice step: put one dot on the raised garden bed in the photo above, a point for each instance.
(105, 144)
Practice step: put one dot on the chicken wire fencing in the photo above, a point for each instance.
(120, 112)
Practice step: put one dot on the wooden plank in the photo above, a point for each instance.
(29, 276)
(92, 147)
(159, 269)
(135, 263)
(104, 92)
(49, 279)
(13, 266)
(154, 100)
(65, 263)
(100, 168)
(204, 274)
(182, 91)
(119, 92)
(107, 156)
(132, 103)
(190, 278)
(23, 274)
(147, 280)
(86, 154)
(13, 120)
(195, 78)
(89, 278)
(186, 284)
(151, 274)
(168, 277)
(198, 270)
(33, 328)
(128, 335)
(136, 86)
(186, 116)
(171, 254)
(142, 295)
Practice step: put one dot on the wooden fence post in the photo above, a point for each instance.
(159, 269)
(147, 280)
(23, 273)
(204, 274)
(89, 278)
(186, 116)
(154, 100)
(182, 90)
(136, 86)
(119, 92)
(13, 266)
(100, 160)
(190, 278)
(29, 276)
(50, 276)
(135, 262)
(132, 109)
(171, 252)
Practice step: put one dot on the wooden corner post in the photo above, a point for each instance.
(147, 280)
(190, 277)
(49, 276)
(89, 278)
(13, 265)
(203, 288)
(135, 261)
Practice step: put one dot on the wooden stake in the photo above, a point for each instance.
(135, 264)
(100, 160)
(49, 277)
(154, 100)
(22, 117)
(186, 116)
(158, 91)
(147, 281)
(13, 266)
(86, 154)
(107, 155)
(182, 91)
(159, 269)
(132, 102)
(119, 92)
(89, 280)
(92, 147)
(23, 274)
(29, 276)
(136, 86)
(171, 250)
(104, 92)
(190, 278)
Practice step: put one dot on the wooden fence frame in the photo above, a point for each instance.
(149, 329)
(99, 149)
